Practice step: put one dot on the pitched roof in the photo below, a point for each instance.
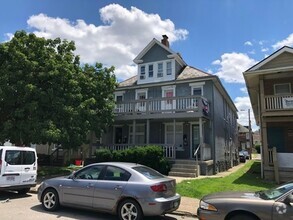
(270, 58)
(173, 54)
(190, 72)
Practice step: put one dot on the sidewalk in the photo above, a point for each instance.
(188, 205)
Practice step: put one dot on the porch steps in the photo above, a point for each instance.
(183, 168)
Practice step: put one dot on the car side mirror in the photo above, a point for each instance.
(289, 199)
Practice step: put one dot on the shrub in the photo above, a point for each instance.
(151, 156)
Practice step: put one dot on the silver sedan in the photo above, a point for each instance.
(129, 190)
(273, 204)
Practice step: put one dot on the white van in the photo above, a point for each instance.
(18, 168)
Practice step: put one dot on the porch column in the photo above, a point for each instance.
(133, 131)
(148, 132)
(201, 139)
(265, 155)
(174, 138)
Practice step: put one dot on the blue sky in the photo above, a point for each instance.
(220, 37)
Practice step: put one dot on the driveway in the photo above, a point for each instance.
(27, 207)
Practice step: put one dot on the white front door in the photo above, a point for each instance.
(141, 96)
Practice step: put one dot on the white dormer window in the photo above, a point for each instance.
(151, 70)
(160, 69)
(169, 68)
(142, 72)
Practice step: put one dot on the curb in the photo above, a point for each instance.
(183, 213)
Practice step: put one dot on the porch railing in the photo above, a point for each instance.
(169, 150)
(273, 161)
(273, 103)
(163, 105)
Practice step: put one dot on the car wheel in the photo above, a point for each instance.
(243, 216)
(129, 209)
(50, 200)
(23, 191)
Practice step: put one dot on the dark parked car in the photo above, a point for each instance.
(129, 190)
(245, 153)
(274, 204)
(242, 157)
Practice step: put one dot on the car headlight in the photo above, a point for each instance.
(207, 206)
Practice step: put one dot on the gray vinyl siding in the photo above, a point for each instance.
(156, 53)
(183, 90)
(219, 125)
(154, 92)
(129, 95)
(178, 68)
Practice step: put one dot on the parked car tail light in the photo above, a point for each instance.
(159, 188)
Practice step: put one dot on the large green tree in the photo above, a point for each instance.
(47, 96)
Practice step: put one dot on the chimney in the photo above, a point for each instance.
(165, 40)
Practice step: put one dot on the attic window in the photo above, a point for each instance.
(142, 72)
(160, 69)
(284, 88)
(151, 70)
(169, 68)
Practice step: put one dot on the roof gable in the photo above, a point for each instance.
(154, 43)
(281, 58)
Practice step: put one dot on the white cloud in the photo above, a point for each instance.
(248, 43)
(264, 49)
(122, 36)
(243, 105)
(286, 42)
(232, 65)
(244, 90)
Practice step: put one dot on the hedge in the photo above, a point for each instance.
(151, 156)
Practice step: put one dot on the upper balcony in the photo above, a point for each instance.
(169, 107)
(278, 105)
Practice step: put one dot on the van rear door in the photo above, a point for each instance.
(29, 168)
(11, 168)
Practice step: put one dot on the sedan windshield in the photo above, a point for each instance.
(276, 192)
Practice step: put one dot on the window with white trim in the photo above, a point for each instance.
(169, 68)
(282, 88)
(160, 70)
(151, 70)
(142, 72)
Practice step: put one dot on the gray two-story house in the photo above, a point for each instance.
(183, 109)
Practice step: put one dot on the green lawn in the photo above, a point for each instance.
(246, 178)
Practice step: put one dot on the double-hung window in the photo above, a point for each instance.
(142, 72)
(169, 68)
(151, 70)
(160, 69)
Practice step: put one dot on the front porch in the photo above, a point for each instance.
(280, 166)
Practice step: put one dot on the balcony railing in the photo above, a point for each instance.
(276, 103)
(163, 105)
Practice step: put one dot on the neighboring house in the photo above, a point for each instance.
(176, 106)
(269, 84)
(243, 138)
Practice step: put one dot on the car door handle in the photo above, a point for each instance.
(27, 168)
(118, 187)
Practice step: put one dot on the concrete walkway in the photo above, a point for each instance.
(188, 205)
